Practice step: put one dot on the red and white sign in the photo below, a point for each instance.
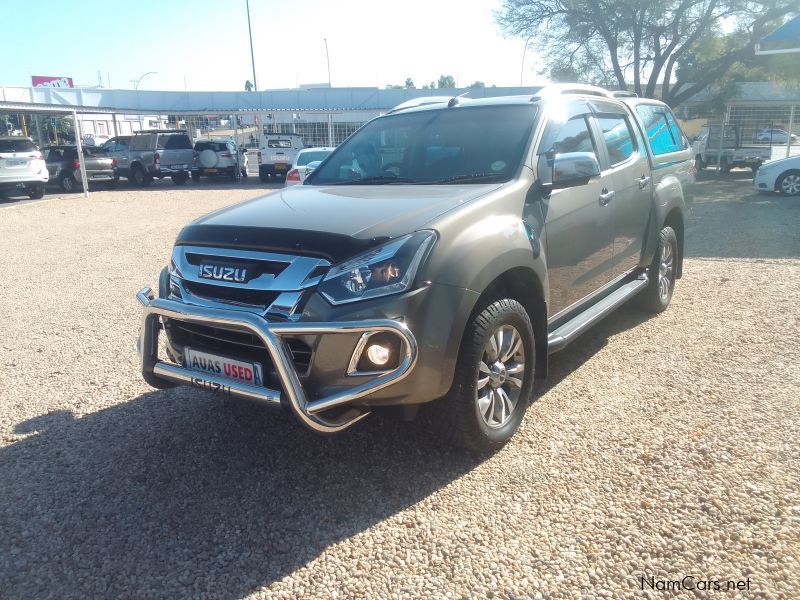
(56, 82)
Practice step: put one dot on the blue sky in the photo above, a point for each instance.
(203, 45)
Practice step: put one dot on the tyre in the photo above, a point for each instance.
(789, 183)
(112, 185)
(67, 182)
(232, 174)
(244, 173)
(661, 274)
(493, 380)
(699, 165)
(195, 176)
(724, 166)
(264, 177)
(36, 192)
(180, 178)
(139, 177)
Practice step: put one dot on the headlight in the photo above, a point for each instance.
(387, 269)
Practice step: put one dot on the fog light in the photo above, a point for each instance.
(378, 354)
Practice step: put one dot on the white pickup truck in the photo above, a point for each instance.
(708, 150)
(276, 153)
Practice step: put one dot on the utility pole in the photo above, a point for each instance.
(328, 58)
(252, 56)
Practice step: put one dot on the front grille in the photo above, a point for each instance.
(255, 267)
(235, 344)
(231, 295)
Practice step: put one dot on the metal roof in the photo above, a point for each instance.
(187, 103)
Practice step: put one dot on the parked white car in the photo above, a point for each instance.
(218, 157)
(781, 175)
(301, 166)
(22, 167)
(774, 136)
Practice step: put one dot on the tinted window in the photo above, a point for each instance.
(469, 144)
(53, 154)
(20, 145)
(617, 136)
(279, 143)
(572, 136)
(306, 157)
(663, 135)
(177, 141)
(140, 142)
(93, 151)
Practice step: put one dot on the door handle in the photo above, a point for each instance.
(606, 197)
(643, 182)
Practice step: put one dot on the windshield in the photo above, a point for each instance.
(456, 145)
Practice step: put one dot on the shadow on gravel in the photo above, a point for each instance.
(729, 219)
(177, 493)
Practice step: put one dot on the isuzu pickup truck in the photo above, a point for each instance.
(434, 259)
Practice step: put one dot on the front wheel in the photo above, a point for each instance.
(789, 183)
(661, 273)
(699, 165)
(493, 381)
(139, 177)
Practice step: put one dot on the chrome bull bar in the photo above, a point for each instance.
(270, 334)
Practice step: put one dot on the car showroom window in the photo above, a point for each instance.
(661, 139)
(617, 136)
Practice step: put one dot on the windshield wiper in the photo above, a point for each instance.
(472, 177)
(376, 180)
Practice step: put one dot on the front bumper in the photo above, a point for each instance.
(314, 414)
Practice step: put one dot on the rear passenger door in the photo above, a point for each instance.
(629, 168)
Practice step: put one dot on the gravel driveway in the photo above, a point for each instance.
(660, 447)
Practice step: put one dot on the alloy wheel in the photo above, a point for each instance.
(790, 185)
(665, 271)
(500, 376)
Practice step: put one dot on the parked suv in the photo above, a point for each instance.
(157, 153)
(65, 166)
(436, 258)
(22, 167)
(218, 157)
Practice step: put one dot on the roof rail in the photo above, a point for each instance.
(161, 131)
(556, 89)
(624, 94)
(422, 101)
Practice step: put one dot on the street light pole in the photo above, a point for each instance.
(327, 58)
(522, 65)
(138, 81)
(252, 56)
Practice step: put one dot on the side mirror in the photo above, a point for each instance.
(574, 168)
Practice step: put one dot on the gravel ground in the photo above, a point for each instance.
(660, 447)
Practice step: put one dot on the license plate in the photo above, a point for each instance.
(281, 167)
(222, 366)
(211, 170)
(178, 167)
(101, 176)
(277, 157)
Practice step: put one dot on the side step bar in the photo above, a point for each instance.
(565, 334)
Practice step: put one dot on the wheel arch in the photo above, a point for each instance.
(523, 285)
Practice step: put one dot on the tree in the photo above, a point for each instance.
(410, 84)
(446, 81)
(642, 43)
(248, 86)
(477, 84)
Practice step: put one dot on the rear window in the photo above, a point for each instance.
(215, 146)
(176, 141)
(306, 157)
(279, 143)
(20, 145)
(94, 151)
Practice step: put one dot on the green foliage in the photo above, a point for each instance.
(477, 84)
(446, 81)
(248, 86)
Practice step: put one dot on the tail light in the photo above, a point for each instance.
(259, 157)
(226, 155)
(293, 175)
(76, 164)
(114, 163)
(157, 160)
(36, 156)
